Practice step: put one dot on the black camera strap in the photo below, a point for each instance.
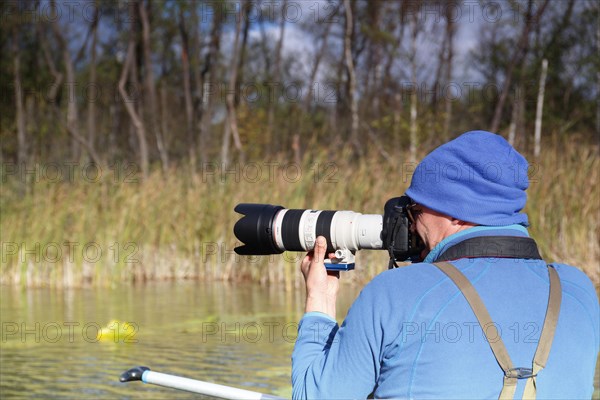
(493, 246)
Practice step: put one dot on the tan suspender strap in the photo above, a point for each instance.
(547, 336)
(511, 374)
(551, 319)
(480, 311)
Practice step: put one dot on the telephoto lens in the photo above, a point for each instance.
(267, 229)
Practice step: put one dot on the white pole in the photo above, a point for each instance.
(540, 107)
(191, 385)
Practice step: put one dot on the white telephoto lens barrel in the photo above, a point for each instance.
(355, 231)
(368, 231)
(297, 230)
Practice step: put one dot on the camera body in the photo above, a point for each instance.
(267, 229)
(399, 239)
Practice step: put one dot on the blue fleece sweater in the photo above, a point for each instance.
(412, 334)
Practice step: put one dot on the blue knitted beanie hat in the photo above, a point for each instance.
(477, 177)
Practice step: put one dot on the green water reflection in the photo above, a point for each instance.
(237, 335)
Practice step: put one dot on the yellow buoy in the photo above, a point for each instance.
(117, 331)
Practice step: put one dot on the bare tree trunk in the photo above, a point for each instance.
(335, 116)
(138, 124)
(19, 114)
(32, 124)
(276, 76)
(187, 88)
(450, 28)
(296, 149)
(512, 129)
(194, 59)
(72, 114)
(520, 139)
(212, 58)
(375, 58)
(242, 61)
(231, 120)
(263, 46)
(514, 119)
(315, 68)
(442, 58)
(114, 111)
(133, 81)
(397, 118)
(396, 43)
(414, 94)
(58, 76)
(91, 122)
(55, 113)
(540, 109)
(72, 111)
(150, 87)
(517, 58)
(164, 113)
(351, 77)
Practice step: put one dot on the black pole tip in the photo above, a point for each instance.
(133, 374)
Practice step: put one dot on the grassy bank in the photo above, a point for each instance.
(96, 227)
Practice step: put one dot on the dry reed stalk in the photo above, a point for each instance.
(179, 225)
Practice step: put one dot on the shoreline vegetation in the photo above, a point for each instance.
(87, 226)
(193, 107)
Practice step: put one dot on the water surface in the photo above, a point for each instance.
(238, 335)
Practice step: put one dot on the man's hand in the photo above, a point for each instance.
(321, 285)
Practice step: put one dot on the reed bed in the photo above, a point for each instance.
(178, 225)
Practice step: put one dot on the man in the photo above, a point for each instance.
(412, 333)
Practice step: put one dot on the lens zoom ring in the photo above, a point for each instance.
(290, 230)
(323, 228)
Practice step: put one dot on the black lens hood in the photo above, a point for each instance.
(254, 229)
